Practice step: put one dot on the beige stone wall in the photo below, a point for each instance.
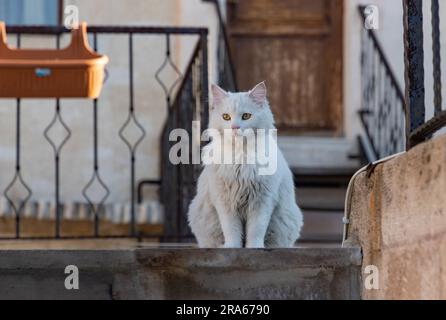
(77, 156)
(398, 216)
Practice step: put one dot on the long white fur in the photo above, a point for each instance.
(235, 206)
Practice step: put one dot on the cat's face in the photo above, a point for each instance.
(240, 111)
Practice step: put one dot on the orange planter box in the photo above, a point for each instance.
(73, 72)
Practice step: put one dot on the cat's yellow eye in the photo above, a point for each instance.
(226, 117)
(246, 116)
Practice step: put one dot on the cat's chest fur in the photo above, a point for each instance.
(241, 185)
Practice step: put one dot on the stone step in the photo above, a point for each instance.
(183, 273)
(322, 153)
(321, 198)
(323, 209)
(325, 226)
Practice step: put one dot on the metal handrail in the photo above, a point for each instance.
(418, 128)
(382, 113)
(228, 71)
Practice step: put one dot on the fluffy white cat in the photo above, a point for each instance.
(235, 206)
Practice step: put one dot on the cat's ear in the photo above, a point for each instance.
(218, 94)
(258, 93)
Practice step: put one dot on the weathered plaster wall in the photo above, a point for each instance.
(398, 216)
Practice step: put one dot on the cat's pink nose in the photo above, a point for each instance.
(235, 127)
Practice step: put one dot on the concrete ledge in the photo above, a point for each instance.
(183, 273)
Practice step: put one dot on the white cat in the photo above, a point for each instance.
(235, 206)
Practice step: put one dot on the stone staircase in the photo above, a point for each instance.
(322, 169)
(321, 197)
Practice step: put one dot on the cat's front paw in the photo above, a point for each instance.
(255, 244)
(231, 245)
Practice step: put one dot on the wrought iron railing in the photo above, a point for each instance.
(382, 111)
(226, 70)
(418, 127)
(189, 103)
(179, 180)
